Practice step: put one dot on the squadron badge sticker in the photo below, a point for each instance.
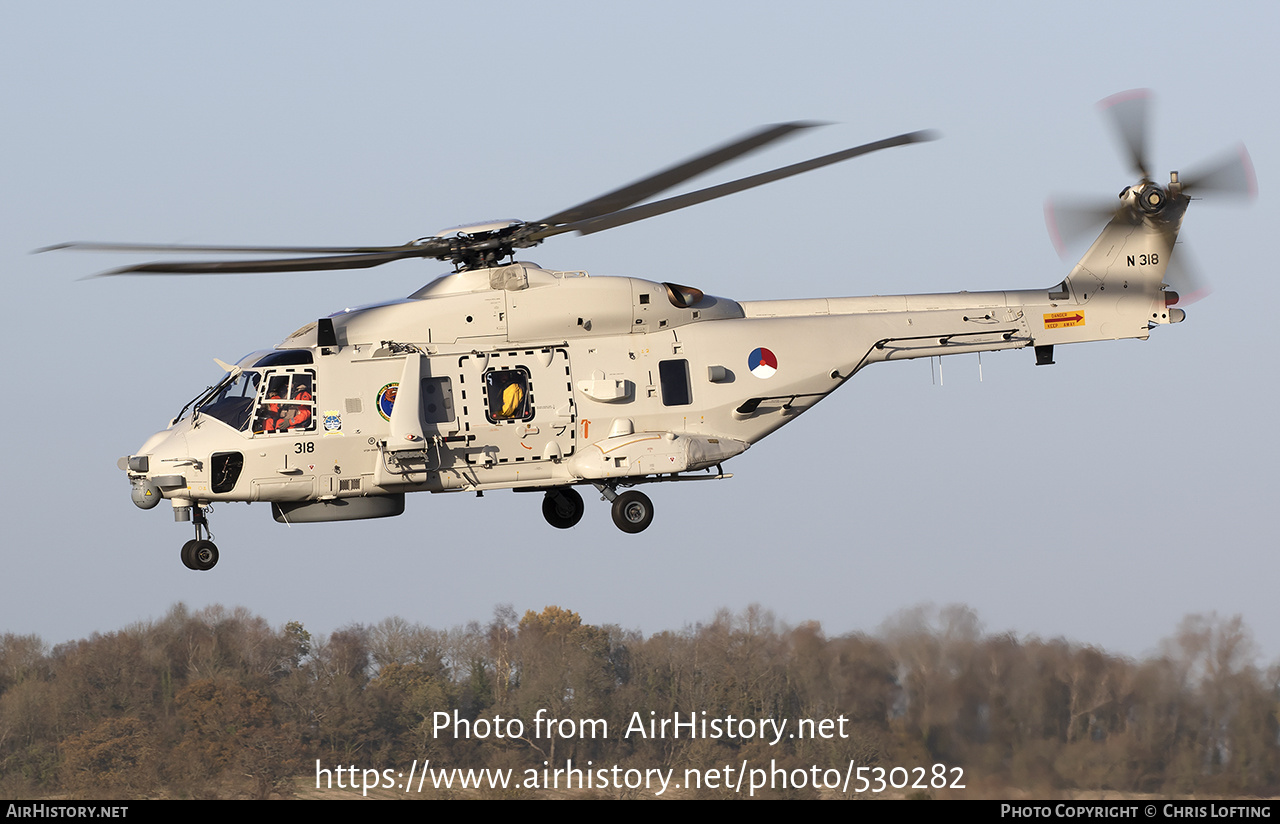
(387, 400)
(762, 363)
(332, 421)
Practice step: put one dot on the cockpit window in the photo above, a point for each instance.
(285, 357)
(232, 403)
(287, 403)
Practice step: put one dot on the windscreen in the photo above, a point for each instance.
(233, 401)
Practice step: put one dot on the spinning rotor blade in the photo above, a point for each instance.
(244, 250)
(646, 188)
(1185, 278)
(1069, 222)
(1231, 175)
(240, 267)
(484, 244)
(1128, 111)
(661, 207)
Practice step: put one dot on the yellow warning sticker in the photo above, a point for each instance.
(1061, 320)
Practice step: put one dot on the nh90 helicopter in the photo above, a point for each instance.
(504, 375)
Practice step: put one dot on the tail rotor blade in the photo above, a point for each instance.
(1230, 175)
(1185, 277)
(1128, 113)
(1070, 222)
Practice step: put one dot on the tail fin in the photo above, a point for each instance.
(1119, 288)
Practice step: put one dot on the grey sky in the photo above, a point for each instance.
(1101, 499)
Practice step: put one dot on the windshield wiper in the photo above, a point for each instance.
(201, 396)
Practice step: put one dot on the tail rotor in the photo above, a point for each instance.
(1226, 177)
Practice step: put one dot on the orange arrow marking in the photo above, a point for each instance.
(1058, 320)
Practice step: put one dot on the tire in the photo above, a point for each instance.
(188, 554)
(204, 556)
(563, 508)
(632, 512)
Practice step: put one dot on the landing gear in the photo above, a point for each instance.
(562, 508)
(189, 560)
(632, 511)
(200, 554)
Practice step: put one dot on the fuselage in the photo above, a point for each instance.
(520, 377)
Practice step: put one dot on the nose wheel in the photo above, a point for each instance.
(201, 553)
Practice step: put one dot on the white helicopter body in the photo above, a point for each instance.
(504, 375)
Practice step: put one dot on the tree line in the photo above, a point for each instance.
(217, 703)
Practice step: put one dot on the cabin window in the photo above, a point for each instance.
(287, 403)
(508, 393)
(673, 376)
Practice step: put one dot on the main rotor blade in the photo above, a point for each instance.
(179, 248)
(661, 207)
(646, 188)
(1231, 175)
(238, 267)
(1128, 111)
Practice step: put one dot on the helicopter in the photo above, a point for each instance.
(504, 375)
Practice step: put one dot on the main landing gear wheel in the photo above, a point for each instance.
(562, 508)
(199, 555)
(632, 511)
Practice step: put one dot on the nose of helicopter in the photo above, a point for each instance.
(149, 470)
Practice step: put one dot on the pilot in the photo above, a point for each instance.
(269, 418)
(301, 415)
